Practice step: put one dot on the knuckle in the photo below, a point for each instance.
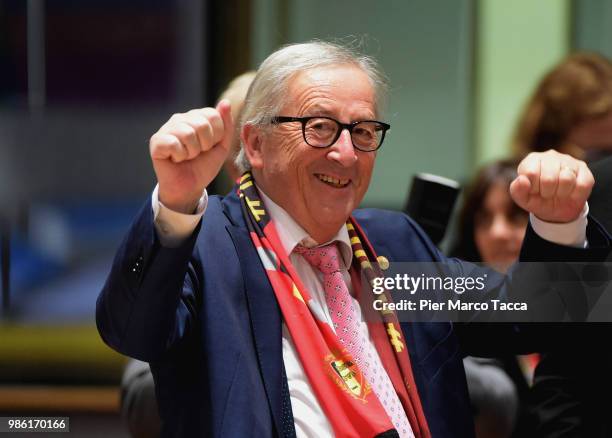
(568, 158)
(203, 114)
(567, 176)
(215, 117)
(588, 184)
(584, 186)
(205, 125)
(206, 132)
(186, 131)
(216, 126)
(548, 178)
(209, 112)
(530, 173)
(176, 116)
(162, 141)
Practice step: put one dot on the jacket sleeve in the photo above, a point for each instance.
(481, 337)
(543, 261)
(149, 300)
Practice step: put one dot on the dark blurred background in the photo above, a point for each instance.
(83, 85)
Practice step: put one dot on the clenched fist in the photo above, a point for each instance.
(552, 186)
(188, 152)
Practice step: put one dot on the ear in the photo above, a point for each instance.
(252, 138)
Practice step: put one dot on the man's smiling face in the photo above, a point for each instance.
(318, 187)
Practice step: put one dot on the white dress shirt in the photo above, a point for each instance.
(310, 420)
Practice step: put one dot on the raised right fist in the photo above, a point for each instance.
(188, 152)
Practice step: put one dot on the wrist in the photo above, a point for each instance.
(180, 203)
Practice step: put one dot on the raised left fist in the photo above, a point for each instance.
(552, 186)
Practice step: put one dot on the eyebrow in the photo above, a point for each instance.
(320, 110)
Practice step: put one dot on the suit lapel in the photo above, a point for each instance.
(264, 312)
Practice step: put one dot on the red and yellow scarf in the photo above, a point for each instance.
(347, 399)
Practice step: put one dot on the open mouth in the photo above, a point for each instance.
(331, 181)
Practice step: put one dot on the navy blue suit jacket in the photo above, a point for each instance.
(205, 316)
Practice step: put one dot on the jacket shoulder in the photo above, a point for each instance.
(397, 233)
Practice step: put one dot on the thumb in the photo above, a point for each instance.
(225, 110)
(519, 191)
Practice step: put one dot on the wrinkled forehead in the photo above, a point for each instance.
(340, 83)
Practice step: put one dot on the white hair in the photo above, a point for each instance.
(266, 94)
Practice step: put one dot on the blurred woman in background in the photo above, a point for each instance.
(491, 231)
(570, 110)
(491, 225)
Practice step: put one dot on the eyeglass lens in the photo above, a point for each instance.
(322, 132)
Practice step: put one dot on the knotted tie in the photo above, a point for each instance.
(347, 326)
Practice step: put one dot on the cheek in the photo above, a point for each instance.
(289, 146)
(519, 233)
(281, 155)
(293, 137)
(366, 167)
(482, 240)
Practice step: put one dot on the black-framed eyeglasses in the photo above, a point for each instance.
(322, 132)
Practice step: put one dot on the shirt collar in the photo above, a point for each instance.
(292, 234)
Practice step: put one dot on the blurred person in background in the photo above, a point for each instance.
(491, 225)
(138, 402)
(571, 110)
(572, 385)
(235, 92)
(491, 231)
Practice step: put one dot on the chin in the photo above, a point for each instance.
(501, 265)
(336, 209)
(332, 220)
(336, 220)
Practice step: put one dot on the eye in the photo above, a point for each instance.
(363, 131)
(321, 125)
(483, 220)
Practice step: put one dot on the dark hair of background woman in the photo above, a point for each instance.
(502, 171)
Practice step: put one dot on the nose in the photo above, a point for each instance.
(342, 151)
(500, 228)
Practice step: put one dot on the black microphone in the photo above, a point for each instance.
(430, 203)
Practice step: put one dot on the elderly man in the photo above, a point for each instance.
(244, 305)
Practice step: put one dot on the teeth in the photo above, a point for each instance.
(334, 181)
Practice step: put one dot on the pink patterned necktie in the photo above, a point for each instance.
(347, 325)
